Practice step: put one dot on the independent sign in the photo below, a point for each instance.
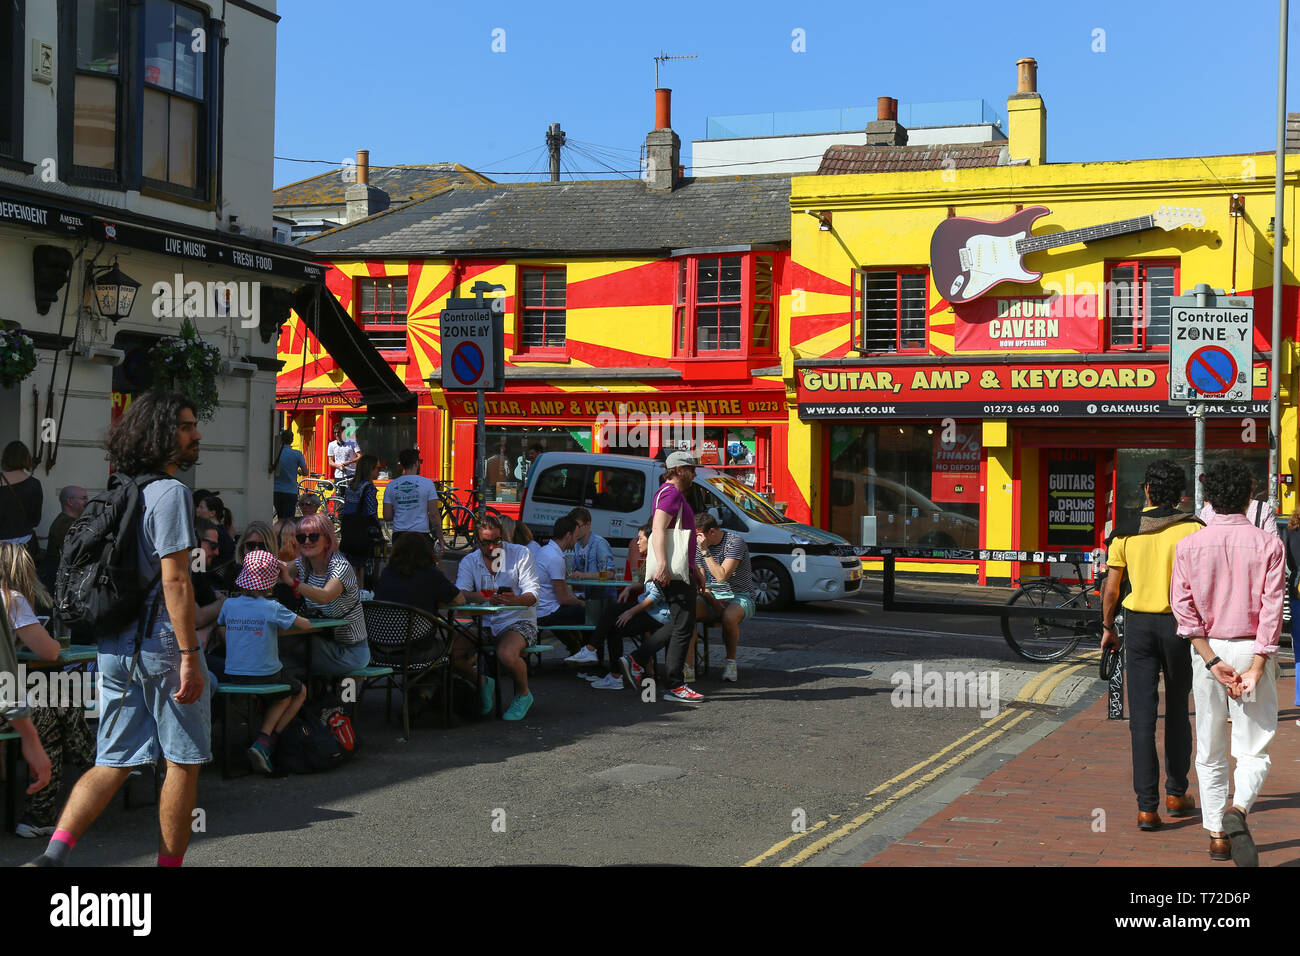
(1211, 350)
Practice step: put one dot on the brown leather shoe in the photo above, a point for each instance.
(1183, 806)
(1148, 821)
(1220, 848)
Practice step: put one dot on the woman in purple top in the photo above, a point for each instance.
(670, 503)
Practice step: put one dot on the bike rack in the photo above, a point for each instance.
(889, 602)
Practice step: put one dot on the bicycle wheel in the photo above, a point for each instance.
(1042, 638)
(456, 529)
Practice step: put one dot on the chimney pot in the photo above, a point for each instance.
(663, 108)
(363, 166)
(886, 108)
(1026, 75)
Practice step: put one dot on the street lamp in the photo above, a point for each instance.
(115, 293)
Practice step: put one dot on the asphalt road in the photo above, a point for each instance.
(810, 737)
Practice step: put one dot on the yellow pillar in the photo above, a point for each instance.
(998, 494)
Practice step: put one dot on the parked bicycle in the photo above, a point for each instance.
(1051, 638)
(330, 492)
(458, 524)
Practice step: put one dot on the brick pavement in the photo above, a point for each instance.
(1040, 808)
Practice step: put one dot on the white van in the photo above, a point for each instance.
(619, 492)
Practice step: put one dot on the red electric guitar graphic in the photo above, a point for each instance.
(970, 256)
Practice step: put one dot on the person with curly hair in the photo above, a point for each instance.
(1226, 592)
(1143, 550)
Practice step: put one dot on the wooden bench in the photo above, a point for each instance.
(249, 692)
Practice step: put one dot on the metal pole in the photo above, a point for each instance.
(1279, 239)
(480, 459)
(1198, 468)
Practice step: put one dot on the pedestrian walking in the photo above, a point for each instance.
(21, 499)
(344, 453)
(1141, 549)
(671, 513)
(1261, 513)
(411, 500)
(72, 502)
(289, 464)
(1226, 593)
(155, 688)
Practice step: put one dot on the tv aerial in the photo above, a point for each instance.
(666, 56)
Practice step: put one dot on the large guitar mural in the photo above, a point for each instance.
(970, 256)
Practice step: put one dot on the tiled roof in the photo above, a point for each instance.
(838, 160)
(1293, 132)
(600, 216)
(402, 183)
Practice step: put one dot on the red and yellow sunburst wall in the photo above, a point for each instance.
(619, 315)
(1028, 367)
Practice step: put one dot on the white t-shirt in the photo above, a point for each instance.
(517, 573)
(20, 612)
(550, 567)
(410, 496)
(341, 451)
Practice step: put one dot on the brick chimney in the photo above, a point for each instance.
(884, 130)
(363, 199)
(663, 148)
(1027, 116)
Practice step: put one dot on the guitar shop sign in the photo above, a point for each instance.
(1057, 322)
(1095, 390)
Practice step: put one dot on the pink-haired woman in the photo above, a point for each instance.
(328, 586)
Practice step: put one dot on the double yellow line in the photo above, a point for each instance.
(1037, 691)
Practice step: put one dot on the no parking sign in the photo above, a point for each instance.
(472, 346)
(1211, 350)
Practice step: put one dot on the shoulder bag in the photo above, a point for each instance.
(677, 550)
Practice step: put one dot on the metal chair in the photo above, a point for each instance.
(416, 645)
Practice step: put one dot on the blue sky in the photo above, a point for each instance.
(418, 81)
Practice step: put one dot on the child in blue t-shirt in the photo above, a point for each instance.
(251, 623)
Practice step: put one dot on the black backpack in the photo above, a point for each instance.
(307, 746)
(97, 588)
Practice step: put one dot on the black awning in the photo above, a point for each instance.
(372, 378)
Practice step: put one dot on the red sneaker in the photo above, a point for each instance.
(685, 693)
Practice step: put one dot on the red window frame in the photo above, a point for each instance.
(367, 319)
(1138, 342)
(521, 348)
(858, 305)
(687, 306)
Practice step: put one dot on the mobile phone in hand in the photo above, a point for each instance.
(505, 590)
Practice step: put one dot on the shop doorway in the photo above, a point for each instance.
(1131, 465)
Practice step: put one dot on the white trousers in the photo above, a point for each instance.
(1254, 722)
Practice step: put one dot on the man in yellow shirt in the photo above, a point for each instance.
(1143, 549)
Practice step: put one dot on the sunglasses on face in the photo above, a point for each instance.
(313, 537)
(485, 543)
(255, 546)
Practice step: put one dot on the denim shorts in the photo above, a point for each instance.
(138, 715)
(746, 604)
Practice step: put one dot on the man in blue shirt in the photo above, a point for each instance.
(591, 553)
(287, 470)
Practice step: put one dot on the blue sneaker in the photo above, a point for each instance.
(487, 695)
(259, 759)
(519, 708)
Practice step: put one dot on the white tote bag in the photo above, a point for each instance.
(677, 549)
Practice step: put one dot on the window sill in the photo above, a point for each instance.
(16, 164)
(394, 357)
(184, 199)
(550, 358)
(736, 356)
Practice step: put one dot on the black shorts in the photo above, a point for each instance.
(279, 677)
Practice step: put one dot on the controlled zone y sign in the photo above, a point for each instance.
(1211, 352)
(468, 347)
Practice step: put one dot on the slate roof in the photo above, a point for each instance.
(839, 160)
(402, 183)
(600, 216)
(1293, 132)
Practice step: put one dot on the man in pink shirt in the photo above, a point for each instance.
(1226, 594)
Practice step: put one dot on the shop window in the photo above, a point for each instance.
(735, 451)
(382, 312)
(1138, 307)
(13, 19)
(542, 312)
(889, 309)
(512, 449)
(725, 306)
(385, 436)
(161, 139)
(920, 490)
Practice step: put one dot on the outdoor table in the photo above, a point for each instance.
(317, 626)
(596, 603)
(73, 654)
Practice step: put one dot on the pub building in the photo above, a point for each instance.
(627, 305)
(110, 237)
(985, 364)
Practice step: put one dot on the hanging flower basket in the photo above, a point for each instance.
(188, 365)
(17, 357)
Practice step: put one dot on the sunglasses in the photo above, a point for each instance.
(255, 546)
(485, 543)
(313, 537)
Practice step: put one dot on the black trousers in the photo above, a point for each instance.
(285, 504)
(608, 630)
(1152, 647)
(676, 633)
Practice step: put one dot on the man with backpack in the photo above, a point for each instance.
(135, 586)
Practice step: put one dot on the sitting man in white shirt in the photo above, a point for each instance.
(558, 605)
(502, 573)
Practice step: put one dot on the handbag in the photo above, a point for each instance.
(677, 551)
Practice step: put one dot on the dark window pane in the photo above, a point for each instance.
(189, 62)
(94, 123)
(367, 297)
(387, 339)
(707, 333)
(384, 293)
(729, 327)
(399, 296)
(1158, 289)
(555, 290)
(912, 311)
(706, 281)
(729, 282)
(98, 23)
(160, 45)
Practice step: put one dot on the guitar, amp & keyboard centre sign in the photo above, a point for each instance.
(997, 390)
